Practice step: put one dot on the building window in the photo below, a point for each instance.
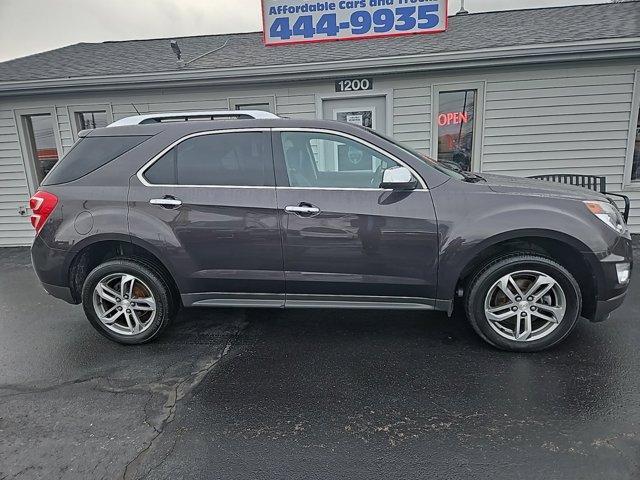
(635, 169)
(91, 120)
(264, 104)
(265, 107)
(42, 143)
(456, 127)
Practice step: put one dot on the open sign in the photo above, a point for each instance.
(452, 118)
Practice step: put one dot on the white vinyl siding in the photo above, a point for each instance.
(301, 107)
(412, 116)
(15, 230)
(64, 127)
(577, 123)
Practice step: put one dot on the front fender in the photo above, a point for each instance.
(471, 222)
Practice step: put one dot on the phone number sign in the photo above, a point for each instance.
(296, 21)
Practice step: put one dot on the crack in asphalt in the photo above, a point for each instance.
(176, 392)
(173, 388)
(29, 390)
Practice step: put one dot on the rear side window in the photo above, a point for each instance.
(223, 159)
(88, 155)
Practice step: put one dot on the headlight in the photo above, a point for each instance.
(608, 214)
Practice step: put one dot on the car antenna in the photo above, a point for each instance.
(135, 108)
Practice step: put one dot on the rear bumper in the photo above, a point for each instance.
(48, 263)
(63, 293)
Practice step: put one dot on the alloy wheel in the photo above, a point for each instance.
(525, 306)
(124, 304)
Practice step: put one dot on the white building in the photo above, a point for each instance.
(522, 93)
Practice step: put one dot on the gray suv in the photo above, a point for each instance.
(137, 221)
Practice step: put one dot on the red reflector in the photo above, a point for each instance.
(41, 204)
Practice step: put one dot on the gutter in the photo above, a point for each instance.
(504, 56)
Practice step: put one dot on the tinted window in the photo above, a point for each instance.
(88, 155)
(163, 172)
(330, 161)
(225, 159)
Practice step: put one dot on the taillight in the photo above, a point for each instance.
(41, 204)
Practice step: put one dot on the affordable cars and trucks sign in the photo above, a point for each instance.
(296, 21)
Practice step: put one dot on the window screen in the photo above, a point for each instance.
(89, 154)
(225, 159)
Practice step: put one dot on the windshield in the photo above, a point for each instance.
(423, 158)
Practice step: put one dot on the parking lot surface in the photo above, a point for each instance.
(309, 394)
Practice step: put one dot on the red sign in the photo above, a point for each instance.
(452, 118)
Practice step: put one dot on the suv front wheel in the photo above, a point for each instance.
(127, 301)
(523, 303)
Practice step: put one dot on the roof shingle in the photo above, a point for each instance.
(466, 32)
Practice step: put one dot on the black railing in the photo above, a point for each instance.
(592, 182)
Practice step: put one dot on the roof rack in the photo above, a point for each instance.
(191, 116)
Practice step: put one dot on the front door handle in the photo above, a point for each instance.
(302, 209)
(166, 202)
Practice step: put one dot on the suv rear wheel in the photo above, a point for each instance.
(523, 303)
(127, 301)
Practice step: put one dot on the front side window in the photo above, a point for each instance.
(635, 170)
(91, 120)
(456, 122)
(224, 159)
(42, 142)
(319, 160)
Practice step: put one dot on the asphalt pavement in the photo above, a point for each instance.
(306, 394)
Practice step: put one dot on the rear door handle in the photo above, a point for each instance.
(302, 209)
(166, 202)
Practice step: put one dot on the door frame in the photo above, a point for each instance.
(26, 147)
(478, 135)
(386, 94)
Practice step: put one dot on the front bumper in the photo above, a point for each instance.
(605, 307)
(610, 293)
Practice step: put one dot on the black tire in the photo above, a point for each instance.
(486, 277)
(166, 305)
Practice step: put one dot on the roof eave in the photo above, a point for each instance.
(504, 56)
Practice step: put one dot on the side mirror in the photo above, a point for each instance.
(398, 178)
